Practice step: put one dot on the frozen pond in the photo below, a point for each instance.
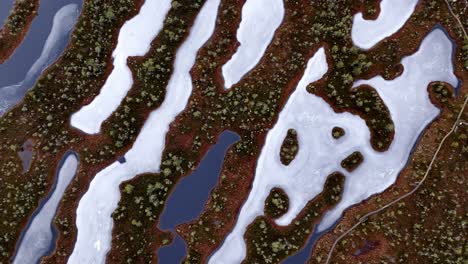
(26, 154)
(393, 15)
(38, 239)
(134, 39)
(320, 154)
(408, 101)
(260, 19)
(44, 43)
(94, 211)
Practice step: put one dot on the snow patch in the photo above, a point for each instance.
(319, 154)
(134, 40)
(270, 172)
(407, 99)
(393, 15)
(260, 19)
(37, 240)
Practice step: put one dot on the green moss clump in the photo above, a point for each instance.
(277, 203)
(192, 257)
(270, 243)
(441, 92)
(353, 161)
(338, 132)
(290, 147)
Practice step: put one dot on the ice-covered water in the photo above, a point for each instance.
(63, 23)
(319, 154)
(38, 238)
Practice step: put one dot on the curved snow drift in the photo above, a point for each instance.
(319, 154)
(94, 221)
(393, 15)
(135, 39)
(260, 19)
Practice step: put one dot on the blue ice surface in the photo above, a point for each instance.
(5, 8)
(15, 68)
(15, 72)
(42, 203)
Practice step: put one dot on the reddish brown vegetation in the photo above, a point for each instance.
(16, 27)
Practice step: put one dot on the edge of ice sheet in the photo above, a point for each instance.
(393, 15)
(260, 19)
(410, 107)
(134, 39)
(37, 239)
(63, 22)
(270, 172)
(319, 154)
(94, 221)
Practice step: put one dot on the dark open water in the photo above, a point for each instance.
(5, 7)
(190, 195)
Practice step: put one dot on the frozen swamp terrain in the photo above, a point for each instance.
(319, 154)
(58, 36)
(134, 40)
(260, 19)
(393, 15)
(94, 221)
(38, 238)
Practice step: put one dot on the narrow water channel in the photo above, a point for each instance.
(303, 255)
(190, 195)
(39, 235)
(44, 43)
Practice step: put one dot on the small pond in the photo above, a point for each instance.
(190, 195)
(5, 8)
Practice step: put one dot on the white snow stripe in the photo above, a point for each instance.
(135, 39)
(260, 19)
(94, 221)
